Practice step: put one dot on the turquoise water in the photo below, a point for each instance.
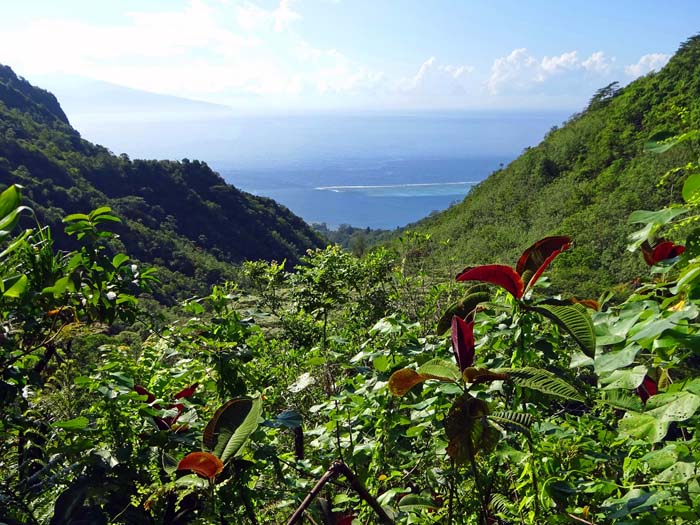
(367, 170)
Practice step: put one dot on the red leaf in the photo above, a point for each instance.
(202, 463)
(170, 420)
(667, 250)
(647, 389)
(187, 392)
(463, 342)
(498, 274)
(345, 520)
(538, 256)
(540, 253)
(143, 392)
(661, 251)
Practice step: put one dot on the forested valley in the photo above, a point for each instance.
(174, 350)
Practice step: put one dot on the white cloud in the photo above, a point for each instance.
(647, 63)
(597, 63)
(563, 62)
(435, 78)
(521, 71)
(284, 15)
(215, 50)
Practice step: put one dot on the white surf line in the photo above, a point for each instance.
(388, 186)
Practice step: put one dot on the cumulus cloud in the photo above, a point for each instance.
(521, 71)
(647, 63)
(435, 78)
(208, 47)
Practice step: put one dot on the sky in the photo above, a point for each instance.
(303, 55)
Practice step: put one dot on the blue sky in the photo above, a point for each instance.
(350, 54)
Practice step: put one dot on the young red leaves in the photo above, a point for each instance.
(167, 422)
(661, 251)
(534, 260)
(498, 274)
(463, 342)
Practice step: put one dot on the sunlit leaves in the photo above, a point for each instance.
(575, 320)
(405, 379)
(498, 274)
(538, 256)
(202, 463)
(661, 409)
(232, 424)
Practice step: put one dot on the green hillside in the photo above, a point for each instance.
(583, 179)
(180, 215)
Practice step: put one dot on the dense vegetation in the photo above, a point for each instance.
(583, 179)
(360, 390)
(178, 215)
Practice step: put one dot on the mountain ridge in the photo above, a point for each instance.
(583, 179)
(180, 215)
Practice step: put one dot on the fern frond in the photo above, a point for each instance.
(621, 399)
(519, 421)
(542, 381)
(500, 504)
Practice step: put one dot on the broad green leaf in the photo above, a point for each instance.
(76, 217)
(542, 381)
(462, 308)
(9, 200)
(78, 423)
(653, 328)
(679, 472)
(675, 406)
(644, 427)
(575, 320)
(286, 418)
(627, 379)
(415, 503)
(661, 459)
(59, 287)
(659, 217)
(192, 481)
(622, 400)
(302, 383)
(634, 502)
(441, 368)
(169, 463)
(661, 142)
(661, 410)
(17, 288)
(100, 211)
(231, 426)
(119, 259)
(467, 429)
(691, 188)
(610, 361)
(692, 245)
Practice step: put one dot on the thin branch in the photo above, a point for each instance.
(334, 471)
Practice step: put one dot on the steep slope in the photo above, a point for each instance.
(180, 215)
(584, 179)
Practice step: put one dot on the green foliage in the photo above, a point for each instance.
(584, 178)
(181, 216)
(557, 414)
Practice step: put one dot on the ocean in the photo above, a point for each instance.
(365, 170)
